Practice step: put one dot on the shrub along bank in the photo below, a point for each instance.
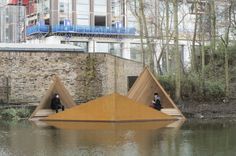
(15, 113)
(190, 88)
(210, 86)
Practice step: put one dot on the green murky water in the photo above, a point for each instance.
(193, 138)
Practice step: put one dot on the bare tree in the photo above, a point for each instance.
(225, 41)
(193, 54)
(177, 52)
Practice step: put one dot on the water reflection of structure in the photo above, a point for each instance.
(110, 126)
(128, 138)
(197, 137)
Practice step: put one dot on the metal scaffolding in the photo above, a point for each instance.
(12, 21)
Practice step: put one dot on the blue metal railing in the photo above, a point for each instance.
(93, 30)
(35, 29)
(87, 30)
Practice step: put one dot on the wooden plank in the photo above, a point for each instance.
(44, 112)
(171, 112)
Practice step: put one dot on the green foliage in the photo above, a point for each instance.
(214, 89)
(9, 114)
(190, 84)
(23, 113)
(15, 113)
(168, 83)
(214, 74)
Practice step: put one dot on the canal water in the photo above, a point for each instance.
(191, 138)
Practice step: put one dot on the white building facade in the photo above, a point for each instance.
(93, 25)
(109, 26)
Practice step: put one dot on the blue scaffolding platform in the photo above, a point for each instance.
(36, 29)
(84, 30)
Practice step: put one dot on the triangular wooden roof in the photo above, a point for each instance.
(56, 87)
(113, 108)
(143, 91)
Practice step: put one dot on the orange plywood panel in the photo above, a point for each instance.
(56, 87)
(144, 88)
(111, 108)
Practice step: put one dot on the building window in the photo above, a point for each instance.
(65, 9)
(61, 22)
(135, 52)
(112, 48)
(83, 12)
(117, 10)
(115, 49)
(62, 7)
(102, 47)
(100, 21)
(83, 46)
(100, 7)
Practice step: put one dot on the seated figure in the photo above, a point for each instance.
(156, 103)
(56, 103)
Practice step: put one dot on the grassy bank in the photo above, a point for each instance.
(15, 113)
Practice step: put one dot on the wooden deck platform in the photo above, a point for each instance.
(172, 112)
(44, 113)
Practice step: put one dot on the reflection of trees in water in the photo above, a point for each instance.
(197, 138)
(194, 138)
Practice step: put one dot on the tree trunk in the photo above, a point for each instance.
(193, 54)
(213, 27)
(226, 43)
(167, 37)
(202, 57)
(213, 32)
(137, 14)
(150, 47)
(177, 53)
(227, 91)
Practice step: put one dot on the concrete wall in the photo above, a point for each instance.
(86, 76)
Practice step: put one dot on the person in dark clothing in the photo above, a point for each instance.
(157, 102)
(56, 103)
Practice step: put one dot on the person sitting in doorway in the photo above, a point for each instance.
(156, 103)
(56, 103)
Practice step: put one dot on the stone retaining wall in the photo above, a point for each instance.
(85, 75)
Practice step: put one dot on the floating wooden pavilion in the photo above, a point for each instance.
(110, 108)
